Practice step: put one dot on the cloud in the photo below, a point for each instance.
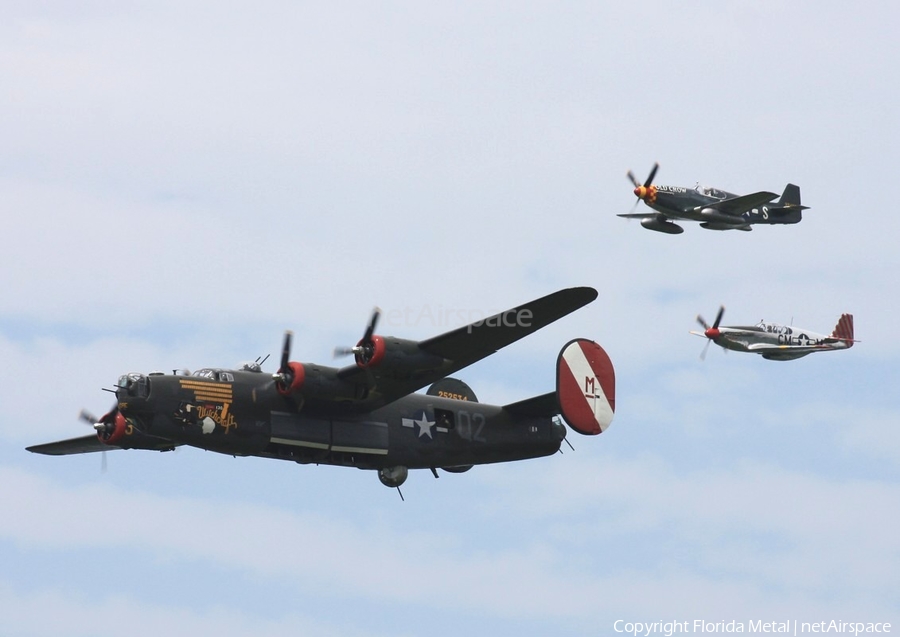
(180, 184)
(109, 614)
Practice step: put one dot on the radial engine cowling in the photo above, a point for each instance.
(318, 381)
(395, 354)
(111, 428)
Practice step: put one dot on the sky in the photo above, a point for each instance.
(180, 182)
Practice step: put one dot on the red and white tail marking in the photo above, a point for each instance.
(586, 387)
(844, 329)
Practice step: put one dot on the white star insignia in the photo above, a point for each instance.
(424, 426)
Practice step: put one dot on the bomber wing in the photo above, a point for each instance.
(91, 443)
(739, 205)
(85, 444)
(461, 347)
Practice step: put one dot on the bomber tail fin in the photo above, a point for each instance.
(844, 329)
(586, 386)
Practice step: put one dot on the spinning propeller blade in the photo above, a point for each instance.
(710, 332)
(365, 349)
(640, 190)
(285, 374)
(633, 179)
(718, 317)
(100, 427)
(651, 175)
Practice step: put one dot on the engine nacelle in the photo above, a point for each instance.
(115, 430)
(399, 355)
(393, 477)
(653, 223)
(320, 382)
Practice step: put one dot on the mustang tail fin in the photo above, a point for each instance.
(844, 329)
(790, 197)
(586, 386)
(787, 209)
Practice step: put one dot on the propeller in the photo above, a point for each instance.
(710, 332)
(286, 375)
(642, 190)
(364, 351)
(104, 426)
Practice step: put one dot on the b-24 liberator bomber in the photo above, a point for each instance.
(714, 209)
(367, 415)
(773, 341)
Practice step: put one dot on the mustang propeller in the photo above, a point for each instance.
(369, 348)
(642, 190)
(710, 332)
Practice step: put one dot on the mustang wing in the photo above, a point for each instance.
(466, 345)
(764, 348)
(784, 352)
(639, 215)
(740, 205)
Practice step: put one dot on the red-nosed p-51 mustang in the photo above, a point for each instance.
(715, 209)
(776, 342)
(367, 415)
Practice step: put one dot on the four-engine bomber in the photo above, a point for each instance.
(367, 415)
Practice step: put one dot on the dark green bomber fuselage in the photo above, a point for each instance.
(242, 413)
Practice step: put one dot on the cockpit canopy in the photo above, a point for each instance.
(708, 191)
(221, 375)
(774, 329)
